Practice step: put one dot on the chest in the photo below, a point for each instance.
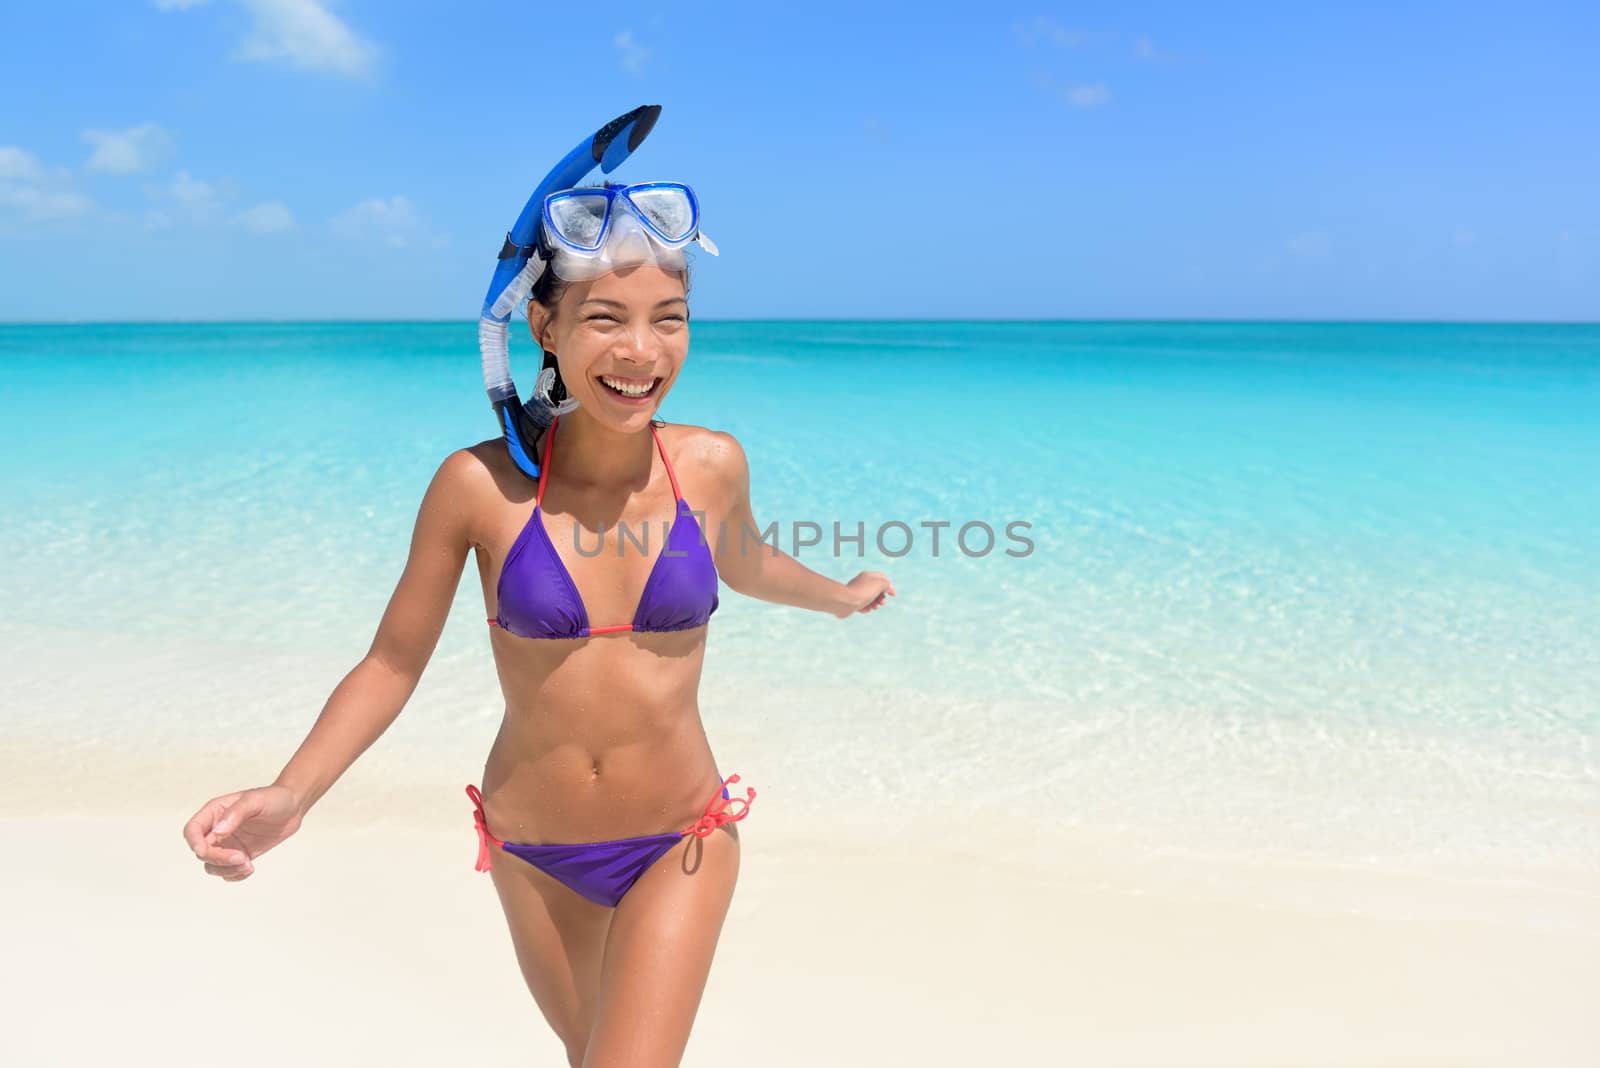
(566, 575)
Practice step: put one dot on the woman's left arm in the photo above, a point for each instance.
(756, 569)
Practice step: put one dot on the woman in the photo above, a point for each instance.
(614, 871)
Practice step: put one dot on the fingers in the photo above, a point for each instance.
(880, 600)
(224, 860)
(237, 813)
(201, 823)
(215, 853)
(206, 830)
(865, 579)
(231, 873)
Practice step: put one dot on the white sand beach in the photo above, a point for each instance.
(362, 942)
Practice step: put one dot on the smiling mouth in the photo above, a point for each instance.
(630, 388)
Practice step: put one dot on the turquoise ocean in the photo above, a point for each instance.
(1299, 589)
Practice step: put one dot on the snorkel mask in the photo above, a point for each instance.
(590, 231)
(580, 234)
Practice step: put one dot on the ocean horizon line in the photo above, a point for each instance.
(1219, 321)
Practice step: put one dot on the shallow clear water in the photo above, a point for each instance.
(1313, 587)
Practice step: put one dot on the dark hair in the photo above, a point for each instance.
(547, 291)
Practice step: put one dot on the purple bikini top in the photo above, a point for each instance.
(538, 599)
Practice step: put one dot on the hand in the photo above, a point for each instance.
(868, 592)
(230, 831)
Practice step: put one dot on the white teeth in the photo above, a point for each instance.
(627, 388)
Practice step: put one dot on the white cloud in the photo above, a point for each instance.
(32, 193)
(33, 204)
(634, 54)
(1146, 49)
(1044, 28)
(187, 199)
(138, 148)
(393, 221)
(1074, 93)
(196, 199)
(19, 165)
(1086, 96)
(271, 217)
(302, 32)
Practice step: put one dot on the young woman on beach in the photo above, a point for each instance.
(613, 869)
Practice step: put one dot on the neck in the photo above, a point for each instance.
(591, 455)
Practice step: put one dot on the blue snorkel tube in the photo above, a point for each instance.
(520, 267)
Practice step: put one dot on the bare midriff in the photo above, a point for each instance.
(602, 737)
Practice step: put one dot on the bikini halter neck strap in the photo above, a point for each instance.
(550, 437)
(544, 463)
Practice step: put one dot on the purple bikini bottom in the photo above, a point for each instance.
(604, 871)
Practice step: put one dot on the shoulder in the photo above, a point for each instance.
(471, 481)
(715, 452)
(475, 469)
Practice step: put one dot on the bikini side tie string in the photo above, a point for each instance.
(716, 814)
(484, 837)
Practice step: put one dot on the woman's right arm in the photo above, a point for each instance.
(230, 831)
(371, 696)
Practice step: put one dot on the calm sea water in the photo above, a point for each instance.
(1325, 587)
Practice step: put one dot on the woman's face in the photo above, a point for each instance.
(620, 335)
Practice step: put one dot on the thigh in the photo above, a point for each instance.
(559, 939)
(658, 953)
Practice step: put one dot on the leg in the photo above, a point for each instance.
(559, 939)
(658, 954)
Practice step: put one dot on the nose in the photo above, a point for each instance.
(637, 345)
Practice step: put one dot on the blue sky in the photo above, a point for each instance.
(285, 159)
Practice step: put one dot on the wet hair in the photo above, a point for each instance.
(547, 291)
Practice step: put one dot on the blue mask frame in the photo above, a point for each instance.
(611, 193)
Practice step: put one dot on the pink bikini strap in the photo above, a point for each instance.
(544, 465)
(550, 437)
(676, 494)
(716, 814)
(484, 837)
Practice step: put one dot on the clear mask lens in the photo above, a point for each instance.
(667, 208)
(578, 218)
